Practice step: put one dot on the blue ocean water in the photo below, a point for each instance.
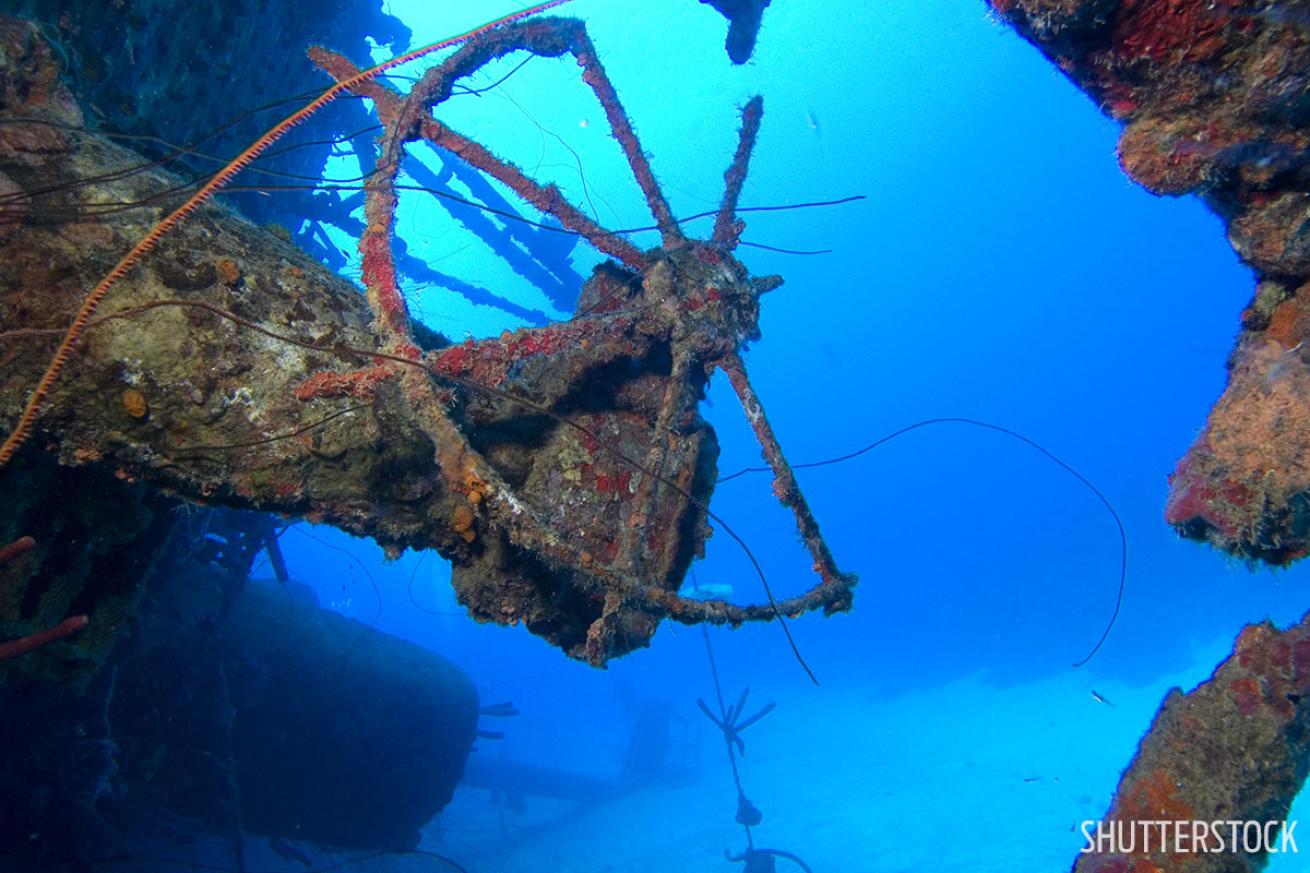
(1002, 268)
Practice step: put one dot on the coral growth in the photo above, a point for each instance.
(1212, 96)
(563, 469)
(36, 639)
(1231, 750)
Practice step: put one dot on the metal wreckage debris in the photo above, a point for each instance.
(563, 470)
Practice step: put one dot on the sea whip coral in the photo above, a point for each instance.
(37, 639)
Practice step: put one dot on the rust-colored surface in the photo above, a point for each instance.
(563, 470)
(1233, 749)
(1215, 100)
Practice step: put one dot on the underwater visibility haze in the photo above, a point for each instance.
(661, 436)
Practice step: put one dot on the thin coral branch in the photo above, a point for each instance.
(18, 547)
(23, 645)
(727, 226)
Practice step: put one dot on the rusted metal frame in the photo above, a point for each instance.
(471, 473)
(551, 37)
(727, 227)
(597, 334)
(528, 531)
(830, 598)
(672, 407)
(546, 198)
(391, 313)
(464, 468)
(594, 75)
(600, 634)
(786, 488)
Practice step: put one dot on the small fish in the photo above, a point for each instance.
(1100, 698)
(1032, 779)
(812, 120)
(710, 591)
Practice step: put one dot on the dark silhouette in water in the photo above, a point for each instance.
(743, 25)
(731, 723)
(762, 860)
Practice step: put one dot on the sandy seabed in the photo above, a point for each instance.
(964, 777)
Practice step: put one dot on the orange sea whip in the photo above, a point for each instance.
(85, 313)
(23, 645)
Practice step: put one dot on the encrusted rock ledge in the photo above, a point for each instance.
(1215, 99)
